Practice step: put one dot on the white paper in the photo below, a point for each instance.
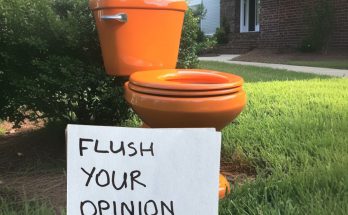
(181, 177)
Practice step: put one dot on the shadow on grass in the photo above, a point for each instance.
(259, 74)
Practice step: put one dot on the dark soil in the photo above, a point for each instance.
(32, 163)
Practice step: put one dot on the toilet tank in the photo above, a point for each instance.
(138, 35)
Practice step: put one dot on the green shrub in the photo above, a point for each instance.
(188, 46)
(222, 33)
(206, 45)
(51, 65)
(320, 19)
(193, 40)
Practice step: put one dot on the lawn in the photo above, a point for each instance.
(335, 64)
(293, 132)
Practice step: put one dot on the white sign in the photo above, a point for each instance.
(136, 171)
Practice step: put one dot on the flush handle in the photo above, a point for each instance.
(121, 17)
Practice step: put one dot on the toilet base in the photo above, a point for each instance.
(224, 186)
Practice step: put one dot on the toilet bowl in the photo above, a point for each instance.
(185, 98)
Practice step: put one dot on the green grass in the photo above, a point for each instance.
(26, 208)
(258, 74)
(294, 131)
(290, 125)
(335, 64)
(318, 191)
(2, 130)
(10, 204)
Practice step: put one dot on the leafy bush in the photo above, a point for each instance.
(206, 45)
(320, 19)
(51, 65)
(188, 45)
(222, 33)
(193, 40)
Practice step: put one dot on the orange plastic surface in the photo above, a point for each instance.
(224, 187)
(182, 93)
(190, 112)
(142, 4)
(149, 40)
(186, 79)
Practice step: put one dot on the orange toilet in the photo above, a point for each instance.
(140, 40)
(185, 98)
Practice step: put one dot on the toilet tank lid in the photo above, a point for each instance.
(179, 5)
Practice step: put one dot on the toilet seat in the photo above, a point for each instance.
(185, 80)
(181, 93)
